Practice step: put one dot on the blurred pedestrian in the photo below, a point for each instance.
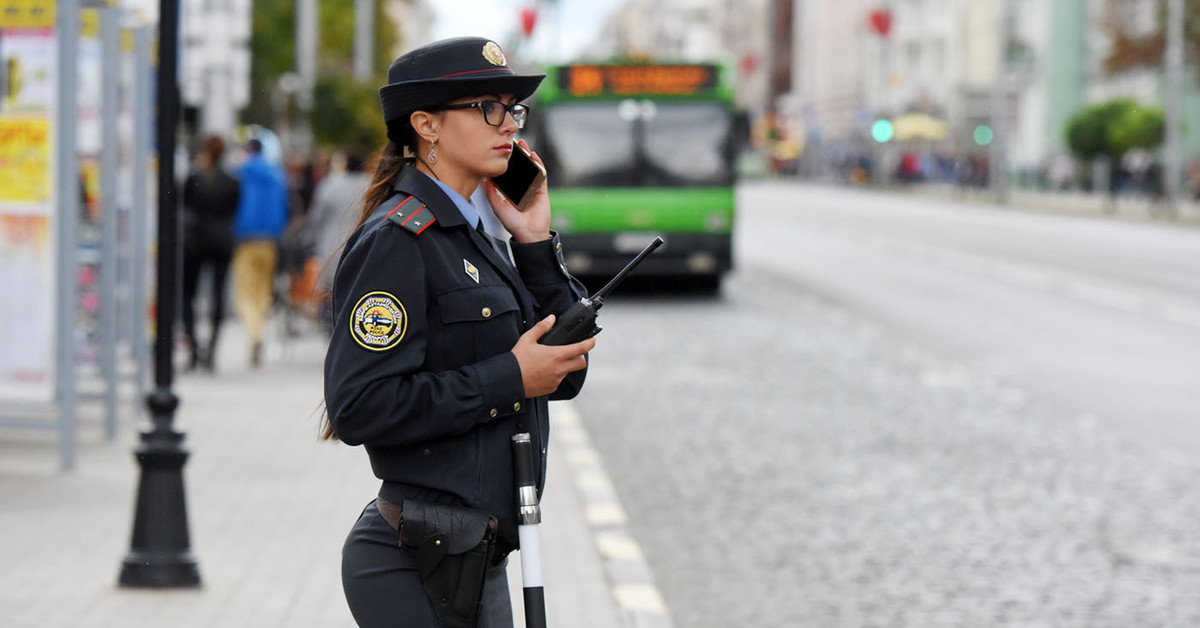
(336, 206)
(210, 200)
(434, 363)
(1193, 178)
(262, 215)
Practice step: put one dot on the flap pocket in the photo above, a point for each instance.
(476, 304)
(453, 530)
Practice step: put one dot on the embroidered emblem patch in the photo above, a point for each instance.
(493, 54)
(472, 272)
(378, 321)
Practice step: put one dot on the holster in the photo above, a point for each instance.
(454, 549)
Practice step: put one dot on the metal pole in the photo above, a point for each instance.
(110, 43)
(160, 553)
(364, 39)
(67, 28)
(307, 35)
(142, 126)
(1173, 151)
(998, 166)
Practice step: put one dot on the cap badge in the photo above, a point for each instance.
(493, 54)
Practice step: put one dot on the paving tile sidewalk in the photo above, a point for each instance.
(268, 507)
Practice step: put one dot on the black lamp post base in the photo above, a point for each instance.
(159, 572)
(160, 552)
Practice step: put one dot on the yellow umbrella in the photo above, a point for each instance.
(918, 126)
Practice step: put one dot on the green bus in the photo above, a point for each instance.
(639, 150)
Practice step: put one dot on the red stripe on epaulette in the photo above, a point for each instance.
(417, 220)
(389, 214)
(426, 226)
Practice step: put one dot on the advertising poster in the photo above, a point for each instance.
(27, 247)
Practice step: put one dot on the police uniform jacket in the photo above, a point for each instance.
(419, 368)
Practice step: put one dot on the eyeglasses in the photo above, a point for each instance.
(493, 111)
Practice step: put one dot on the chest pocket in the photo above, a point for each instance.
(483, 321)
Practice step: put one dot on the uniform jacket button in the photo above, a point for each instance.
(517, 406)
(487, 312)
(494, 413)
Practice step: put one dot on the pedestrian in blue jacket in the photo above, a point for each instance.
(262, 215)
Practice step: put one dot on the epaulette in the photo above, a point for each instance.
(411, 214)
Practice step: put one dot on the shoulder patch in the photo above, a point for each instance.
(411, 214)
(378, 321)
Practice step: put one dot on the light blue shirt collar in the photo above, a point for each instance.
(464, 206)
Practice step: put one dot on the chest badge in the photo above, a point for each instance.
(472, 272)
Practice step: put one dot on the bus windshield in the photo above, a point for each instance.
(639, 144)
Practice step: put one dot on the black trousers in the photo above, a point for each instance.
(194, 261)
(382, 588)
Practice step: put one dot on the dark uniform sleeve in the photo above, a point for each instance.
(541, 267)
(378, 392)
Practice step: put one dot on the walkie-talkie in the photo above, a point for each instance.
(579, 321)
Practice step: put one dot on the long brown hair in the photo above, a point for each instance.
(387, 165)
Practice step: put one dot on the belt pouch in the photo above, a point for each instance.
(454, 548)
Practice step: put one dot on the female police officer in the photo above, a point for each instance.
(434, 361)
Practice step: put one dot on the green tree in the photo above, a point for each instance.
(1113, 128)
(272, 51)
(1137, 127)
(345, 112)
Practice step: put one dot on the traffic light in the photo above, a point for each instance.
(882, 130)
(983, 135)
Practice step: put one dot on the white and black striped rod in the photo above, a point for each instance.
(529, 515)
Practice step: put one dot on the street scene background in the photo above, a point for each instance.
(922, 348)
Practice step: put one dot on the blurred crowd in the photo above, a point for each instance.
(266, 231)
(1137, 174)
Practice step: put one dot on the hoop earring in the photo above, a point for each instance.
(433, 154)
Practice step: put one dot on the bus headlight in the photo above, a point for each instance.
(701, 263)
(716, 221)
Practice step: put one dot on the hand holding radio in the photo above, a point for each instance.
(543, 367)
(519, 196)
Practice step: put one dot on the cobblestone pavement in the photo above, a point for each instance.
(787, 462)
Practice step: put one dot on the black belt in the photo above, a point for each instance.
(393, 514)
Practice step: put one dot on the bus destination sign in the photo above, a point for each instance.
(633, 80)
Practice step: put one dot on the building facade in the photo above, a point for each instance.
(693, 30)
(952, 59)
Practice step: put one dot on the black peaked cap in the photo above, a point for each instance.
(449, 69)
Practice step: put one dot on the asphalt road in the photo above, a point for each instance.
(1102, 316)
(909, 412)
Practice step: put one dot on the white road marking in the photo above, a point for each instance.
(641, 598)
(638, 598)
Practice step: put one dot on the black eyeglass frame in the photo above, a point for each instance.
(511, 110)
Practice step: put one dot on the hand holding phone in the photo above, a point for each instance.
(523, 178)
(519, 196)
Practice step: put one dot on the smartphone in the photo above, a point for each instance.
(522, 179)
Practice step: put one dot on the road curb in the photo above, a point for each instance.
(629, 575)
